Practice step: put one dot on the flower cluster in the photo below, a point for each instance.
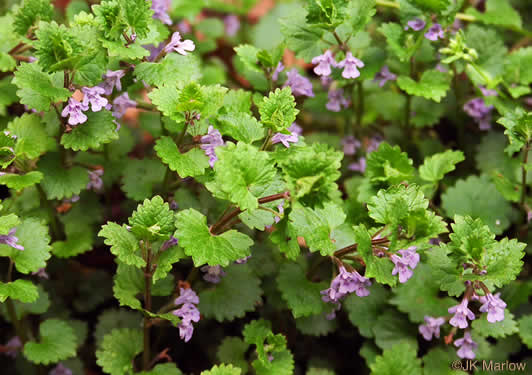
(210, 141)
(405, 264)
(188, 312)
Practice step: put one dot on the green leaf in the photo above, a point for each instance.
(396, 39)
(504, 328)
(437, 6)
(317, 226)
(419, 297)
(465, 198)
(517, 66)
(223, 370)
(141, 176)
(98, 130)
(124, 244)
(302, 38)
(248, 55)
(57, 47)
(503, 261)
(166, 260)
(364, 312)
(76, 243)
(518, 126)
(282, 364)
(163, 369)
(21, 290)
(240, 126)
(432, 85)
(19, 182)
(120, 16)
(173, 69)
(278, 110)
(400, 359)
(152, 220)
(242, 173)
(498, 12)
(33, 236)
(525, 330)
(194, 236)
(30, 13)
(118, 350)
(316, 325)
(32, 139)
(237, 293)
(8, 94)
(8, 222)
(115, 318)
(233, 350)
(389, 165)
(59, 182)
(38, 90)
(57, 341)
(327, 14)
(393, 328)
(301, 295)
(192, 163)
(438, 165)
(360, 14)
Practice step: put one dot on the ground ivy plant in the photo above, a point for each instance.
(262, 187)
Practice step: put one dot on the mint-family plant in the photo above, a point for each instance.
(260, 187)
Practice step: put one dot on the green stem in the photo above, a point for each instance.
(145, 105)
(524, 173)
(266, 140)
(146, 355)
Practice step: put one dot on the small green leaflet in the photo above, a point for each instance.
(278, 110)
(118, 349)
(432, 85)
(19, 182)
(57, 341)
(123, 244)
(400, 359)
(32, 139)
(240, 126)
(223, 370)
(191, 163)
(436, 166)
(22, 290)
(98, 130)
(152, 220)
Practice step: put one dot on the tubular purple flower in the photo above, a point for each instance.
(494, 306)
(74, 111)
(95, 180)
(11, 240)
(280, 207)
(232, 24)
(170, 243)
(285, 139)
(431, 327)
(13, 346)
(405, 264)
(461, 314)
(178, 45)
(350, 65)
(336, 100)
(324, 62)
(112, 80)
(359, 166)
(477, 109)
(301, 86)
(344, 283)
(41, 273)
(213, 274)
(435, 32)
(186, 296)
(488, 92)
(278, 69)
(295, 128)
(416, 24)
(384, 76)
(121, 104)
(351, 144)
(92, 95)
(160, 10)
(466, 345)
(60, 369)
(210, 141)
(188, 313)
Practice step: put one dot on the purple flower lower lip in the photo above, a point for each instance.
(11, 240)
(350, 65)
(466, 346)
(324, 63)
(74, 111)
(301, 86)
(210, 141)
(415, 24)
(180, 46)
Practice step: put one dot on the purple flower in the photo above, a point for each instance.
(95, 180)
(487, 92)
(178, 45)
(160, 10)
(434, 32)
(467, 345)
(295, 128)
(344, 283)
(75, 109)
(232, 25)
(415, 24)
(60, 369)
(351, 144)
(359, 166)
(326, 81)
(210, 141)
(301, 86)
(477, 109)
(11, 240)
(324, 62)
(186, 296)
(170, 243)
(350, 65)
(184, 27)
(373, 144)
(461, 314)
(280, 207)
(112, 80)
(384, 76)
(285, 139)
(441, 68)
(41, 273)
(188, 313)
(92, 95)
(405, 264)
(243, 260)
(213, 274)
(336, 100)
(13, 346)
(121, 104)
(494, 306)
(278, 69)
(431, 327)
